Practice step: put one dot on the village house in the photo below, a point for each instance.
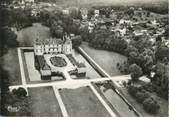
(91, 26)
(96, 13)
(84, 13)
(65, 11)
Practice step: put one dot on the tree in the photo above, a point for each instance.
(135, 71)
(20, 92)
(75, 13)
(132, 90)
(74, 29)
(150, 105)
(130, 12)
(141, 96)
(161, 53)
(133, 57)
(166, 33)
(56, 30)
(160, 80)
(129, 49)
(90, 13)
(8, 38)
(84, 32)
(76, 41)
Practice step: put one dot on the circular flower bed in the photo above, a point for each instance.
(58, 61)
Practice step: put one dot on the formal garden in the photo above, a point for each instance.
(58, 61)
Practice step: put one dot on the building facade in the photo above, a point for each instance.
(52, 46)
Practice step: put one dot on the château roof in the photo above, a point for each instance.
(48, 41)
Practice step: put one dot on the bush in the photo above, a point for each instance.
(132, 90)
(141, 96)
(150, 105)
(20, 92)
(76, 41)
(9, 38)
(135, 71)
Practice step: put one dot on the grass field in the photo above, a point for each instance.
(27, 36)
(44, 103)
(107, 60)
(10, 63)
(82, 102)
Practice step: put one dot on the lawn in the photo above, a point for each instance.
(82, 102)
(10, 63)
(106, 59)
(163, 105)
(44, 102)
(27, 36)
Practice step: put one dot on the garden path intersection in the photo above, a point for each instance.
(68, 83)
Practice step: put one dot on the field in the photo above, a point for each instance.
(44, 103)
(82, 102)
(27, 36)
(107, 60)
(10, 63)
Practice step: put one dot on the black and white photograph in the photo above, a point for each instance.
(84, 58)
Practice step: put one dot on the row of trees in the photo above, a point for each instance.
(104, 39)
(160, 80)
(60, 23)
(8, 40)
(149, 103)
(18, 18)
